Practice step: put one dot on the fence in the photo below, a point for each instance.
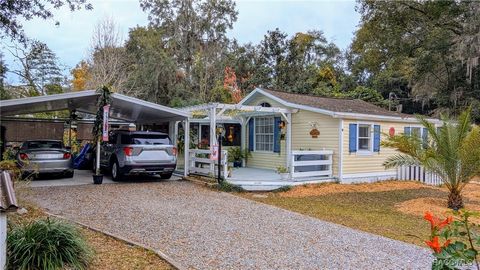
(418, 173)
(200, 163)
(312, 163)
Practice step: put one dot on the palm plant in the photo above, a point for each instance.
(451, 151)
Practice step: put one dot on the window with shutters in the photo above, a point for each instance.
(264, 129)
(364, 137)
(415, 131)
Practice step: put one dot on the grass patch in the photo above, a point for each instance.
(109, 253)
(372, 212)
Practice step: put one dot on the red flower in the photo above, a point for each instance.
(435, 221)
(434, 244)
(446, 243)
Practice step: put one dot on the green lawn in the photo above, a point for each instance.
(368, 211)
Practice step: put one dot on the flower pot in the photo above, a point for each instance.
(237, 164)
(284, 176)
(97, 179)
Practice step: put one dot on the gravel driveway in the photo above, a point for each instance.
(204, 229)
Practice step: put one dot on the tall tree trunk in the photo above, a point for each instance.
(455, 200)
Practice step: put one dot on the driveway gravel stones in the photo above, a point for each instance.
(204, 229)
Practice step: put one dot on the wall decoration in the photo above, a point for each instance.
(391, 132)
(314, 132)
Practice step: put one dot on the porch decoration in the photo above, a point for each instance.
(391, 131)
(100, 128)
(283, 171)
(314, 132)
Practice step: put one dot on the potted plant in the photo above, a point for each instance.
(97, 130)
(283, 171)
(236, 156)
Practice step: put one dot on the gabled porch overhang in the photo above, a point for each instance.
(219, 113)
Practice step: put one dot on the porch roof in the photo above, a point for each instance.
(237, 109)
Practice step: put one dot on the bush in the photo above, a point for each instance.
(47, 244)
(227, 187)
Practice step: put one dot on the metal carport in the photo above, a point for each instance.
(122, 107)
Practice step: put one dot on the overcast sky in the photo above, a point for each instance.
(70, 40)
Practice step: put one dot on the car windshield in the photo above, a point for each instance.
(42, 144)
(153, 139)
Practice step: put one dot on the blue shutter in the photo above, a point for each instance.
(406, 131)
(425, 137)
(376, 138)
(251, 127)
(276, 134)
(352, 136)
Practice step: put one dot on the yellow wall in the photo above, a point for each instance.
(328, 138)
(356, 163)
(301, 139)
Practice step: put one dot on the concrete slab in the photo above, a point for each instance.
(84, 177)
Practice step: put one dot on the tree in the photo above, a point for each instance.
(14, 12)
(107, 57)
(194, 34)
(3, 71)
(426, 51)
(450, 151)
(81, 75)
(39, 66)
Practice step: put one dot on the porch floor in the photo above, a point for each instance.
(255, 179)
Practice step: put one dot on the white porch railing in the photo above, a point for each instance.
(200, 163)
(418, 173)
(312, 163)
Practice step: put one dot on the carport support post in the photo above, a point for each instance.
(97, 166)
(186, 128)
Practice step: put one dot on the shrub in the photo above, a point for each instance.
(283, 189)
(47, 244)
(227, 187)
(454, 240)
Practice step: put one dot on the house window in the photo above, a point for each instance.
(364, 137)
(416, 131)
(265, 104)
(264, 127)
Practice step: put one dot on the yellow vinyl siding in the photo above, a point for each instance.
(301, 139)
(355, 163)
(328, 138)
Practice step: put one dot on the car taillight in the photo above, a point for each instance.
(67, 155)
(174, 151)
(23, 156)
(128, 151)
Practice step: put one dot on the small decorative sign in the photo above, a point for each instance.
(314, 133)
(391, 132)
(106, 110)
(214, 152)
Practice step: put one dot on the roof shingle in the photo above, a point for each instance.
(335, 104)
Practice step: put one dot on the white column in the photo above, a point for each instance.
(186, 128)
(243, 136)
(213, 140)
(289, 144)
(3, 240)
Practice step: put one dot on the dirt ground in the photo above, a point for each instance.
(418, 207)
(329, 188)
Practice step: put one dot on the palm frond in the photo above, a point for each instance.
(398, 160)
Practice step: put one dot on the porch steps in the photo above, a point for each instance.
(255, 185)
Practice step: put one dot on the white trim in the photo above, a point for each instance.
(373, 174)
(344, 115)
(340, 149)
(288, 145)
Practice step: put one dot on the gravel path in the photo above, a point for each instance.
(203, 229)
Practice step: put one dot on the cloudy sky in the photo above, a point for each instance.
(70, 40)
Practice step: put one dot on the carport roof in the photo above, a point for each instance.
(122, 107)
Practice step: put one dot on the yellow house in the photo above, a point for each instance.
(315, 138)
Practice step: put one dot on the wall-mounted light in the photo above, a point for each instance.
(281, 125)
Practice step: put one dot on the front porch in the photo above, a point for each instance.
(255, 179)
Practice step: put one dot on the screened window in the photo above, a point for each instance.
(264, 127)
(364, 137)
